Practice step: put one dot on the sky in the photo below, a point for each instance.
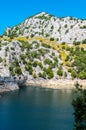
(13, 12)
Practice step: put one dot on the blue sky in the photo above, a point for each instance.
(13, 12)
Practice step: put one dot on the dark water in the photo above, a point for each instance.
(36, 109)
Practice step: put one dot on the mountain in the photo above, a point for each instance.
(39, 49)
(66, 29)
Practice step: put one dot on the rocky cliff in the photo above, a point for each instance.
(67, 29)
(45, 47)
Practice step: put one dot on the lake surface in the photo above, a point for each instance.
(34, 108)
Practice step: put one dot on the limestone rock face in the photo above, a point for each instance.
(65, 29)
(43, 47)
(10, 86)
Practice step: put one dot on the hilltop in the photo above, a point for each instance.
(67, 29)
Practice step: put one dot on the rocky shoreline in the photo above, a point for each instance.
(9, 87)
(52, 83)
(56, 84)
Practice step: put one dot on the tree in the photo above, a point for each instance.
(79, 105)
(1, 60)
(67, 58)
(29, 69)
(84, 41)
(35, 63)
(73, 74)
(32, 35)
(82, 75)
(18, 70)
(76, 43)
(44, 75)
(60, 72)
(51, 39)
(50, 74)
(10, 68)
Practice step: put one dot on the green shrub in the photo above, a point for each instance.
(76, 43)
(63, 47)
(50, 74)
(40, 74)
(83, 27)
(65, 74)
(22, 56)
(29, 69)
(82, 75)
(67, 58)
(56, 59)
(32, 35)
(44, 75)
(68, 49)
(34, 54)
(46, 45)
(18, 70)
(1, 59)
(10, 68)
(52, 39)
(47, 35)
(84, 41)
(35, 63)
(69, 70)
(48, 61)
(65, 25)
(43, 51)
(34, 75)
(40, 65)
(6, 49)
(12, 48)
(67, 31)
(73, 74)
(53, 54)
(60, 72)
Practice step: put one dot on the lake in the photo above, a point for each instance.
(34, 108)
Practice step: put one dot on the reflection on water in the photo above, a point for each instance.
(35, 108)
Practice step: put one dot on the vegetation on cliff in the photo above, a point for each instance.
(79, 104)
(43, 47)
(40, 57)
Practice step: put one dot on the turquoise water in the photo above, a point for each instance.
(34, 108)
